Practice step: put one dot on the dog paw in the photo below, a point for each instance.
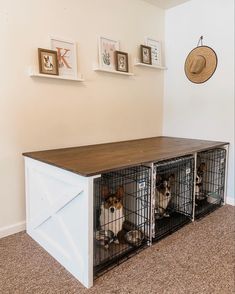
(116, 241)
(166, 214)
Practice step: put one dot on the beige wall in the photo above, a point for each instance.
(42, 113)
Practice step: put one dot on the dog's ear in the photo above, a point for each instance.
(171, 179)
(158, 180)
(105, 192)
(202, 168)
(120, 192)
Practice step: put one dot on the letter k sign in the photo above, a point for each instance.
(63, 56)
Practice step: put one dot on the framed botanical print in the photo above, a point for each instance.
(107, 47)
(47, 60)
(145, 54)
(121, 60)
(156, 51)
(67, 57)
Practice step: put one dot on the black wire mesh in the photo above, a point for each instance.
(173, 195)
(121, 216)
(210, 181)
(123, 225)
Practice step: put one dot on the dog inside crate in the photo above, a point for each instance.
(210, 179)
(120, 215)
(164, 188)
(173, 194)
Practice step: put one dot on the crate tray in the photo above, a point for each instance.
(203, 207)
(168, 225)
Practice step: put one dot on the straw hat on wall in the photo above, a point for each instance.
(200, 64)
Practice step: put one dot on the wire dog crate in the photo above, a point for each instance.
(173, 195)
(121, 216)
(210, 181)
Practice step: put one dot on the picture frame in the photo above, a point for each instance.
(121, 61)
(106, 48)
(155, 49)
(48, 62)
(67, 56)
(145, 54)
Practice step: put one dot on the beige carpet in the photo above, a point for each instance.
(199, 258)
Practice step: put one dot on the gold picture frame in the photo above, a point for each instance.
(48, 62)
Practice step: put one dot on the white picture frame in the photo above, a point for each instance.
(106, 49)
(67, 56)
(156, 50)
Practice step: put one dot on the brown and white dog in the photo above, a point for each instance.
(163, 194)
(112, 215)
(198, 187)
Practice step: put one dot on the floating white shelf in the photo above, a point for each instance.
(96, 68)
(150, 65)
(39, 75)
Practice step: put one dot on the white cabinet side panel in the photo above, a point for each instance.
(60, 216)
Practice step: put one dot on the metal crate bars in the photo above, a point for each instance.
(121, 215)
(173, 199)
(210, 181)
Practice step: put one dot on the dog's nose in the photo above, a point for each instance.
(112, 209)
(167, 194)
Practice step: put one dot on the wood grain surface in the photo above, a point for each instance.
(96, 159)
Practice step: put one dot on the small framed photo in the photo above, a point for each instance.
(107, 47)
(121, 60)
(48, 63)
(156, 50)
(67, 57)
(145, 54)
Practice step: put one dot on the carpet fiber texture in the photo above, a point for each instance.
(199, 258)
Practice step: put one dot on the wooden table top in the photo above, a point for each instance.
(96, 159)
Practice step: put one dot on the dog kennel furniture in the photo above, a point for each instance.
(63, 189)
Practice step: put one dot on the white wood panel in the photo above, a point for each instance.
(60, 216)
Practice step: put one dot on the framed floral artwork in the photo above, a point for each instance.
(67, 57)
(107, 47)
(47, 60)
(156, 52)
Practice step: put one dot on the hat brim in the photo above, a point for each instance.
(209, 69)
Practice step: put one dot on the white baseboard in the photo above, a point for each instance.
(12, 229)
(230, 201)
